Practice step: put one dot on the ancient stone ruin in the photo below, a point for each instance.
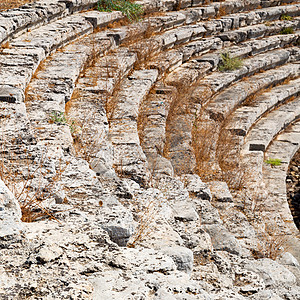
(156, 159)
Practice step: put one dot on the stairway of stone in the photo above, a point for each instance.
(211, 112)
(102, 116)
(256, 152)
(283, 147)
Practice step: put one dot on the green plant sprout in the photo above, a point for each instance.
(60, 118)
(229, 63)
(273, 161)
(285, 17)
(287, 30)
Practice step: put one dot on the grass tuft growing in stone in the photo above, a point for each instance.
(229, 63)
(287, 30)
(273, 161)
(60, 118)
(286, 17)
(133, 11)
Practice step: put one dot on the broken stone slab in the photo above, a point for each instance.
(183, 257)
(10, 212)
(118, 222)
(167, 61)
(14, 117)
(222, 240)
(220, 191)
(196, 186)
(193, 235)
(271, 272)
(146, 260)
(11, 94)
(10, 70)
(287, 259)
(103, 161)
(208, 213)
(169, 284)
(184, 211)
(200, 47)
(236, 222)
(49, 253)
(266, 295)
(188, 72)
(159, 164)
(100, 19)
(168, 20)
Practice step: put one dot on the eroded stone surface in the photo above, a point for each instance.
(126, 226)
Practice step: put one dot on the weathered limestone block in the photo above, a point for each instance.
(129, 157)
(220, 191)
(118, 222)
(183, 257)
(159, 164)
(261, 135)
(245, 116)
(184, 211)
(10, 212)
(49, 253)
(99, 18)
(287, 259)
(54, 35)
(222, 239)
(271, 272)
(196, 187)
(209, 214)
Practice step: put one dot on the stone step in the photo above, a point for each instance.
(191, 69)
(251, 47)
(53, 86)
(87, 109)
(129, 159)
(54, 35)
(47, 38)
(275, 205)
(35, 14)
(28, 51)
(169, 60)
(152, 127)
(262, 132)
(32, 15)
(243, 117)
(217, 81)
(179, 137)
(226, 101)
